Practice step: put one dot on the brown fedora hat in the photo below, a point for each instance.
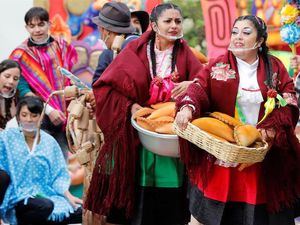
(115, 17)
(143, 17)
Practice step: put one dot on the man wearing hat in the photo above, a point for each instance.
(140, 20)
(114, 20)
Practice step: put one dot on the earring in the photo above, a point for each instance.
(260, 49)
(157, 38)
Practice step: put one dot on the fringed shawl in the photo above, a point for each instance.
(8, 111)
(125, 82)
(281, 167)
(39, 67)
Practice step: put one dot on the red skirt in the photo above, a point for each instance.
(231, 197)
(230, 185)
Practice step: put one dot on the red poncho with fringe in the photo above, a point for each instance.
(275, 181)
(126, 81)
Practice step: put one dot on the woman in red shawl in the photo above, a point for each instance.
(240, 81)
(158, 55)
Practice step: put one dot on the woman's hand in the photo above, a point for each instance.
(90, 98)
(57, 117)
(295, 62)
(268, 136)
(135, 107)
(183, 117)
(180, 88)
(74, 201)
(91, 102)
(243, 166)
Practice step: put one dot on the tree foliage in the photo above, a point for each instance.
(192, 9)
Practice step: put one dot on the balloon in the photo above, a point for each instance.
(88, 15)
(92, 38)
(75, 24)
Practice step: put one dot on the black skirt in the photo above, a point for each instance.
(117, 216)
(212, 212)
(161, 206)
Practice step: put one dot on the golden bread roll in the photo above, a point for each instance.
(142, 112)
(226, 118)
(217, 137)
(165, 129)
(246, 135)
(168, 110)
(169, 119)
(160, 121)
(162, 104)
(142, 122)
(216, 127)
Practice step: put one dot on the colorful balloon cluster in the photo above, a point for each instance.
(294, 2)
(290, 18)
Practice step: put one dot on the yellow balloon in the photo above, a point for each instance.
(276, 19)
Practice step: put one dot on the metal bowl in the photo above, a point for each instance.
(160, 144)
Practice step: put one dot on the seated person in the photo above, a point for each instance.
(39, 180)
(9, 78)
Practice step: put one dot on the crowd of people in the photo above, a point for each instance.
(130, 184)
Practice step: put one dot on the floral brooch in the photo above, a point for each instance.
(222, 72)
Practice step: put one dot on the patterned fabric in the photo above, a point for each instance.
(39, 67)
(291, 99)
(222, 72)
(163, 61)
(39, 172)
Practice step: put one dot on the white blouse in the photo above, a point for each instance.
(249, 95)
(163, 61)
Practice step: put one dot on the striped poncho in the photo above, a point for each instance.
(39, 67)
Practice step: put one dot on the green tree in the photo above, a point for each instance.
(192, 10)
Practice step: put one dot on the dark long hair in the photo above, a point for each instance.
(5, 65)
(34, 104)
(37, 13)
(155, 14)
(262, 32)
(9, 64)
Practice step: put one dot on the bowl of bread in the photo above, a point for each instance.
(154, 125)
(226, 138)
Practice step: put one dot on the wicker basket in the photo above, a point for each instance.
(224, 151)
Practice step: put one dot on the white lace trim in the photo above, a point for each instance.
(225, 164)
(163, 61)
